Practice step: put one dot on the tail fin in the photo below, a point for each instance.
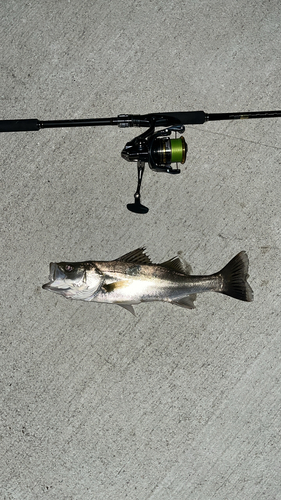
(234, 278)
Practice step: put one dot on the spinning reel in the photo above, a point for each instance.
(156, 148)
(159, 151)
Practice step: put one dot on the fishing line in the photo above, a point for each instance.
(234, 137)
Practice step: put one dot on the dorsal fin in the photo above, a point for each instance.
(175, 264)
(136, 257)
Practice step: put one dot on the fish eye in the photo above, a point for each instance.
(68, 268)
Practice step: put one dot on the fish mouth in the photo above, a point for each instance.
(54, 274)
(52, 278)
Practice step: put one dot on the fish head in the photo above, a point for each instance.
(78, 280)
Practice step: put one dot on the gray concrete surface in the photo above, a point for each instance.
(170, 404)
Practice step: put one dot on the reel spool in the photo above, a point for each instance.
(166, 151)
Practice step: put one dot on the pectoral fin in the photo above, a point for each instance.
(111, 287)
(187, 302)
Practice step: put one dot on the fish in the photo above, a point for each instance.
(133, 278)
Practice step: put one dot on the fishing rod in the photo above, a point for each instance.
(156, 148)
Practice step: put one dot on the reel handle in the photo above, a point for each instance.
(137, 207)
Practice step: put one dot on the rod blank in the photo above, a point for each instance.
(152, 119)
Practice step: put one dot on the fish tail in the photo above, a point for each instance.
(234, 278)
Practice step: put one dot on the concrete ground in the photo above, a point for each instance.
(170, 404)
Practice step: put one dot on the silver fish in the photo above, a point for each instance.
(133, 278)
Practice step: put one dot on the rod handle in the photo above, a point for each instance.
(187, 117)
(19, 125)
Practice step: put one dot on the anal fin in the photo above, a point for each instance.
(187, 302)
